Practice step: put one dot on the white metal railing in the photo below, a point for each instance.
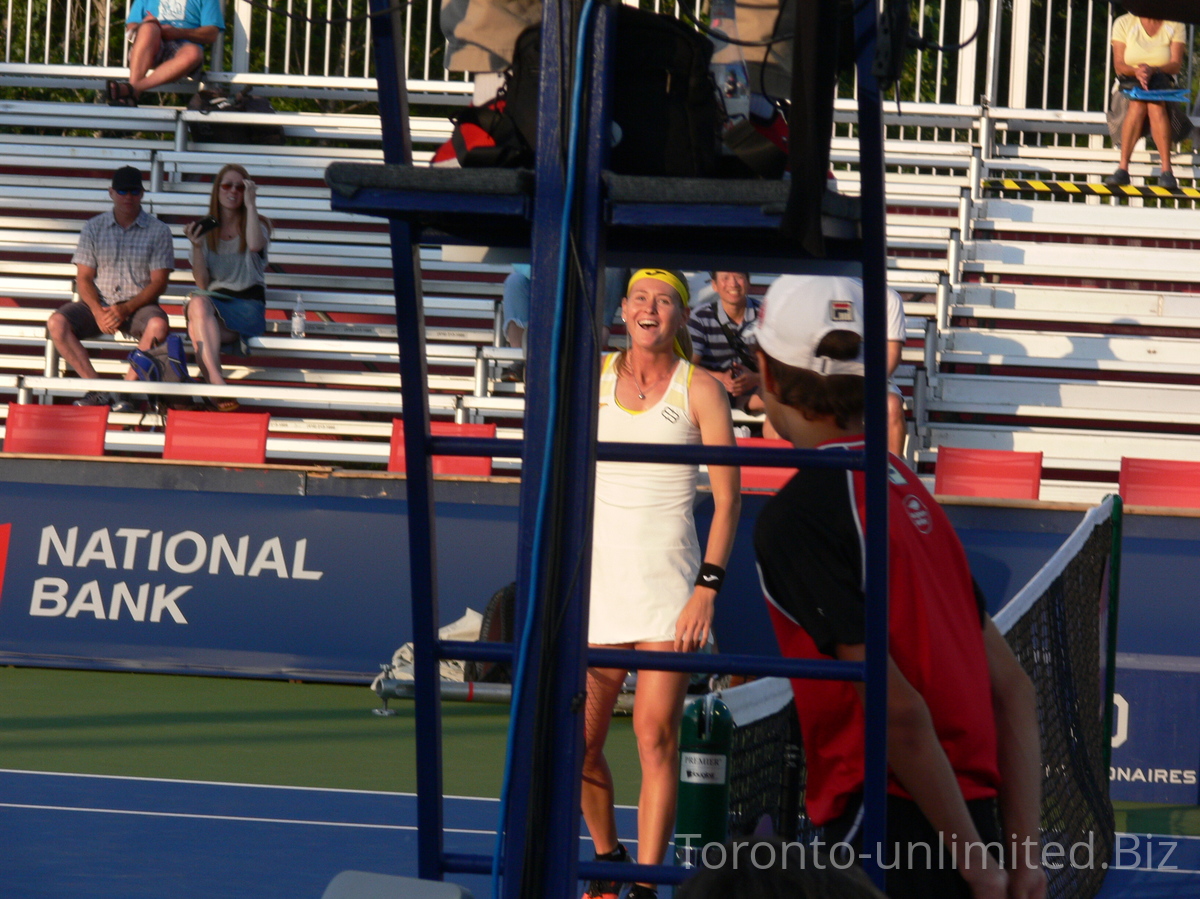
(317, 39)
(1035, 54)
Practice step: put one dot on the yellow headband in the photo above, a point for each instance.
(663, 275)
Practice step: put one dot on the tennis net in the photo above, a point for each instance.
(1057, 626)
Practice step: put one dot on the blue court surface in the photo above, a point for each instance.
(69, 835)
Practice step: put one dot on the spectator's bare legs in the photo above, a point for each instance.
(145, 50)
(596, 798)
(69, 346)
(1131, 130)
(515, 335)
(897, 429)
(1160, 130)
(207, 334)
(155, 332)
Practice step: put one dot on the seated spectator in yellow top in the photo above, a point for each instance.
(1147, 53)
(168, 38)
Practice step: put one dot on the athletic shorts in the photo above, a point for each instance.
(918, 871)
(83, 323)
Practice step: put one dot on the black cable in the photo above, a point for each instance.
(915, 41)
(722, 36)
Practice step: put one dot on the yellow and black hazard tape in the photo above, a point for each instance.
(1088, 188)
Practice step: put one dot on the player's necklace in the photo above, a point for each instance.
(641, 391)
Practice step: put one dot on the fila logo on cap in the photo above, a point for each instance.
(841, 311)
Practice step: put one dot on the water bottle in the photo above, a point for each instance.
(298, 317)
(729, 65)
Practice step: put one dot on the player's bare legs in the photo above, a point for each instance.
(657, 710)
(596, 797)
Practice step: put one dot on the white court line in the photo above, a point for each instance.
(1141, 834)
(237, 818)
(244, 818)
(222, 783)
(1156, 870)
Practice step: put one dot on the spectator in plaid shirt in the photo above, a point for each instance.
(123, 260)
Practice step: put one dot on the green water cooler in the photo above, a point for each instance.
(702, 810)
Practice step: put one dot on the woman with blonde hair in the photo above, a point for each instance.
(651, 587)
(229, 259)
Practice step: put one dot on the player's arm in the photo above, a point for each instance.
(1019, 755)
(920, 764)
(711, 410)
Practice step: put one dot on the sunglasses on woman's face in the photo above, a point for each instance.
(136, 191)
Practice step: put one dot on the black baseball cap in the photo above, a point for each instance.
(127, 178)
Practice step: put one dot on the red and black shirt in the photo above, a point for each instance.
(810, 546)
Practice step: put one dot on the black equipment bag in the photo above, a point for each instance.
(497, 627)
(665, 115)
(666, 120)
(219, 100)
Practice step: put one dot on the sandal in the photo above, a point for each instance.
(223, 403)
(120, 93)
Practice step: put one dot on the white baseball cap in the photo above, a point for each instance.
(799, 310)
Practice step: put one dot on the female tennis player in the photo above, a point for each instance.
(651, 588)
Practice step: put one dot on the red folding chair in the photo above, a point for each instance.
(997, 474)
(237, 437)
(756, 479)
(1160, 482)
(58, 430)
(472, 465)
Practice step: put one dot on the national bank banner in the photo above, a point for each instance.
(205, 582)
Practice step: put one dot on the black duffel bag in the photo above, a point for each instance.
(219, 100)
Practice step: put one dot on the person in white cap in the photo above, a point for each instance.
(963, 743)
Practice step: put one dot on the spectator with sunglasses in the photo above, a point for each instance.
(723, 342)
(122, 262)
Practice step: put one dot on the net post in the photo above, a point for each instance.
(1110, 651)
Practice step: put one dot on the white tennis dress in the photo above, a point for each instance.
(645, 554)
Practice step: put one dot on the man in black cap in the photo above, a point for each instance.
(123, 261)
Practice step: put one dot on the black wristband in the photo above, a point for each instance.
(711, 576)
